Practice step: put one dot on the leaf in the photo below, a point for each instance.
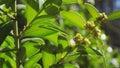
(32, 45)
(5, 29)
(62, 45)
(31, 10)
(56, 2)
(53, 38)
(42, 27)
(10, 60)
(1, 62)
(92, 10)
(71, 57)
(69, 66)
(92, 51)
(52, 10)
(69, 1)
(48, 58)
(114, 15)
(97, 52)
(75, 18)
(37, 66)
(8, 42)
(33, 60)
(37, 31)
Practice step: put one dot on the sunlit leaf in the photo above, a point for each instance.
(31, 10)
(75, 18)
(69, 66)
(71, 57)
(97, 52)
(92, 10)
(33, 60)
(114, 15)
(32, 47)
(92, 51)
(53, 38)
(10, 60)
(42, 27)
(48, 58)
(8, 42)
(37, 66)
(69, 1)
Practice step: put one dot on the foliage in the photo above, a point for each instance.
(49, 34)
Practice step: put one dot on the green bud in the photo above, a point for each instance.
(78, 38)
(90, 25)
(86, 41)
(96, 32)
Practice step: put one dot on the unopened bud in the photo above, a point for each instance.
(86, 41)
(78, 38)
(90, 25)
(96, 32)
(103, 17)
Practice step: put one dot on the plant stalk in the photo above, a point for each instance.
(17, 40)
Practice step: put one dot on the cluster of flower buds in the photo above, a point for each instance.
(80, 40)
(103, 17)
(90, 25)
(96, 32)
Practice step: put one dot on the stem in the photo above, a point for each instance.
(17, 40)
(100, 46)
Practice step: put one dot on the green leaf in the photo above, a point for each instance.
(1, 62)
(92, 10)
(42, 27)
(56, 2)
(31, 10)
(53, 38)
(114, 15)
(10, 60)
(37, 31)
(69, 66)
(75, 18)
(5, 29)
(92, 51)
(33, 60)
(62, 45)
(97, 52)
(69, 1)
(37, 66)
(71, 57)
(48, 58)
(8, 42)
(32, 45)
(52, 10)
